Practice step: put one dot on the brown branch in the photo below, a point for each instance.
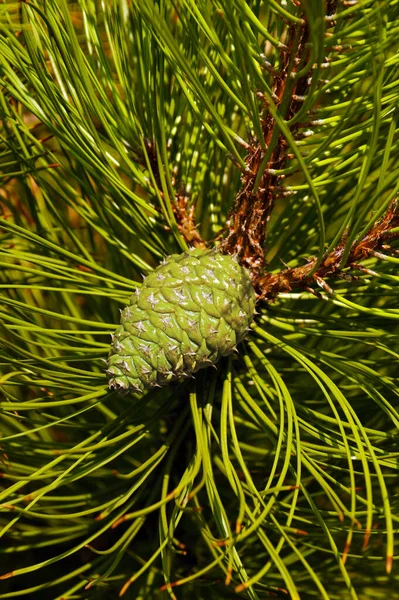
(183, 211)
(185, 218)
(253, 205)
(270, 285)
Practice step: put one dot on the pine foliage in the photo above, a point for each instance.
(134, 130)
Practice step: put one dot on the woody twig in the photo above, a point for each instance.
(385, 230)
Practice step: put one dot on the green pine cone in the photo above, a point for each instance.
(192, 310)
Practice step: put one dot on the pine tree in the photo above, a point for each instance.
(266, 131)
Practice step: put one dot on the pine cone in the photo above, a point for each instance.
(192, 310)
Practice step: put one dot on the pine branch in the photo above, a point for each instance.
(270, 285)
(254, 203)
